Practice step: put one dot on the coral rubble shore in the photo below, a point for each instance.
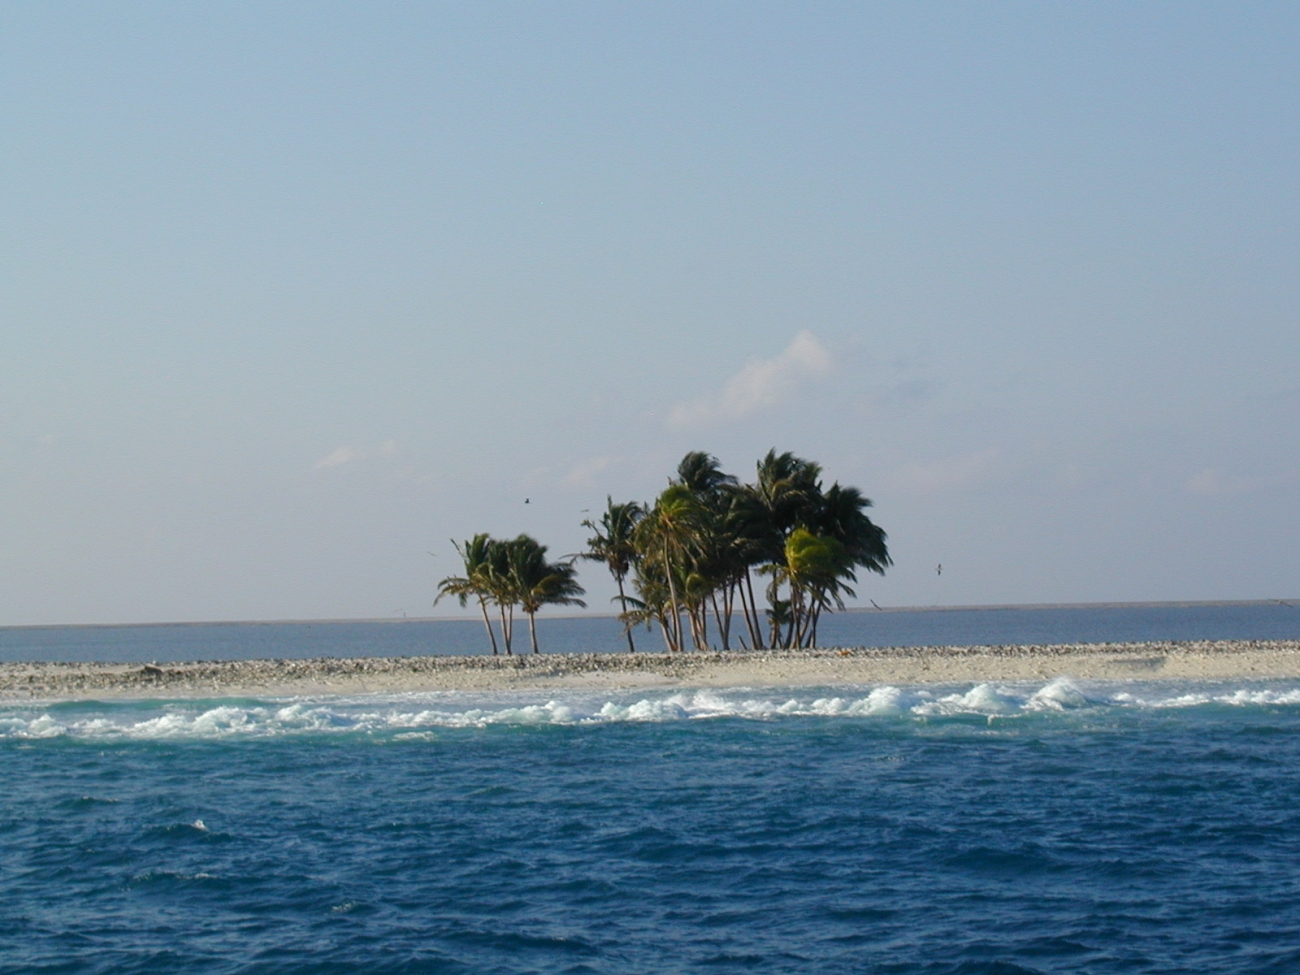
(787, 668)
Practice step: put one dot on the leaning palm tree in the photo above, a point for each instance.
(749, 533)
(695, 551)
(843, 518)
(714, 576)
(815, 569)
(650, 605)
(537, 583)
(669, 535)
(703, 475)
(785, 495)
(476, 554)
(789, 487)
(612, 542)
(500, 582)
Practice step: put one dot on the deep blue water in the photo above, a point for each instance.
(1069, 827)
(957, 627)
(1092, 827)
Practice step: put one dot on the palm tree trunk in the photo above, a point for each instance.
(729, 610)
(668, 633)
(796, 617)
(482, 604)
(505, 629)
(672, 599)
(627, 627)
(744, 608)
(756, 631)
(532, 629)
(717, 615)
(700, 626)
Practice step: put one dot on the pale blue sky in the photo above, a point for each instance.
(292, 293)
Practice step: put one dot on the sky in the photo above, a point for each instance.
(292, 295)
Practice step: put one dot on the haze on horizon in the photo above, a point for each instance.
(293, 295)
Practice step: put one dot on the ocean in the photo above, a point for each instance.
(991, 626)
(1063, 827)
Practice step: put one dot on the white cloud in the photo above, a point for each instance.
(760, 384)
(948, 474)
(347, 454)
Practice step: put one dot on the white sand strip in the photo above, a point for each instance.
(1253, 659)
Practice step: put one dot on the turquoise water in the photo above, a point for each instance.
(1061, 827)
(958, 627)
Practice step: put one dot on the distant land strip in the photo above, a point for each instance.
(1194, 660)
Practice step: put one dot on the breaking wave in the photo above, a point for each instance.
(416, 715)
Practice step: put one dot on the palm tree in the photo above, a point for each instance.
(536, 583)
(667, 535)
(694, 552)
(612, 542)
(749, 531)
(500, 585)
(651, 604)
(713, 570)
(814, 569)
(787, 499)
(785, 496)
(789, 488)
(476, 555)
(702, 474)
(843, 519)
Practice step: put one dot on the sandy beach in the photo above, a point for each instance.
(898, 665)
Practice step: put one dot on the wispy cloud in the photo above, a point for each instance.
(347, 454)
(760, 384)
(337, 456)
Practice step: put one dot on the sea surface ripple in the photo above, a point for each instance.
(1067, 827)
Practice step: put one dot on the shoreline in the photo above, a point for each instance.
(1188, 660)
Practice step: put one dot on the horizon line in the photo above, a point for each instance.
(980, 607)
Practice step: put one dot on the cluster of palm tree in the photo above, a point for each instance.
(510, 573)
(692, 555)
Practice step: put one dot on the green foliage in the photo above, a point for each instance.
(613, 542)
(691, 557)
(511, 573)
(698, 546)
(478, 555)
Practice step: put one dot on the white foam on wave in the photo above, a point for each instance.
(1241, 697)
(1060, 695)
(980, 699)
(421, 716)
